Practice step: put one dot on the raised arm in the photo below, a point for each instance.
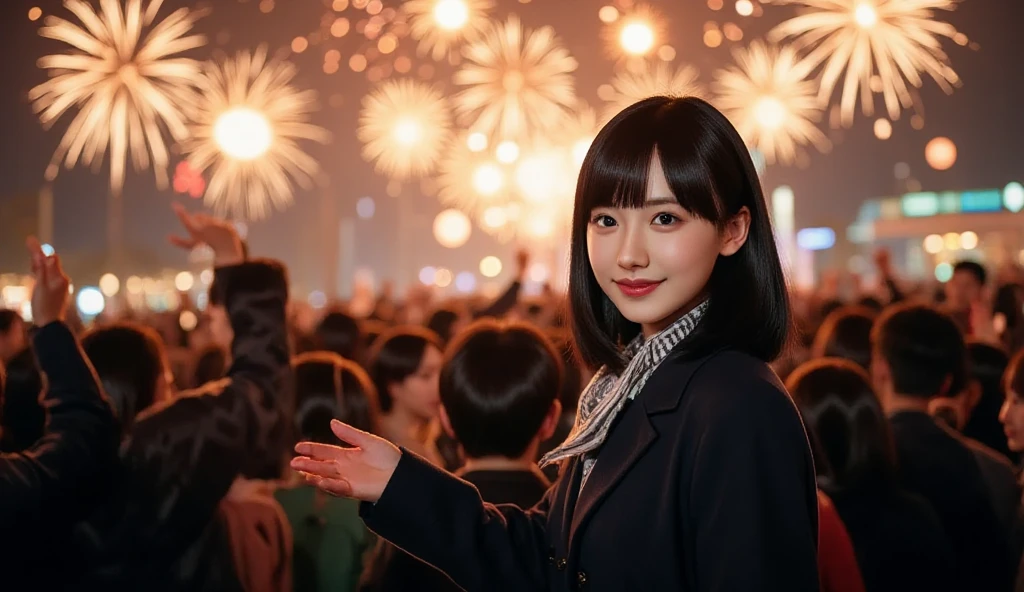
(433, 515)
(57, 480)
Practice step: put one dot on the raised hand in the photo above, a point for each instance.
(50, 294)
(361, 472)
(219, 235)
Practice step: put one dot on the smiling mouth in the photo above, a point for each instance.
(637, 288)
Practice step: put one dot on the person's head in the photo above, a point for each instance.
(446, 323)
(846, 418)
(981, 400)
(132, 366)
(328, 387)
(1012, 412)
(339, 332)
(966, 285)
(917, 353)
(499, 389)
(668, 212)
(12, 334)
(846, 333)
(22, 418)
(404, 364)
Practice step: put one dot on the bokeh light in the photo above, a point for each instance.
(465, 282)
(243, 133)
(940, 153)
(452, 228)
(490, 266)
(883, 129)
(184, 281)
(952, 241)
(488, 179)
(188, 320)
(34, 13)
(507, 152)
(443, 278)
(426, 275)
(109, 284)
(608, 14)
(365, 208)
(1013, 197)
(943, 272)
(637, 38)
(933, 244)
(744, 7)
(90, 301)
(968, 240)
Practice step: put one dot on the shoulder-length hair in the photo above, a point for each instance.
(711, 174)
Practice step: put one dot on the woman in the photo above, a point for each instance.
(845, 333)
(405, 365)
(898, 539)
(688, 467)
(329, 538)
(1011, 415)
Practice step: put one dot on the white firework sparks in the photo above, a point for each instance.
(471, 180)
(440, 25)
(631, 86)
(519, 83)
(403, 126)
(249, 123)
(123, 77)
(882, 43)
(770, 100)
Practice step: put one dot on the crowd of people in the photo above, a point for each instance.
(269, 449)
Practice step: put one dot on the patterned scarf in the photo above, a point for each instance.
(607, 392)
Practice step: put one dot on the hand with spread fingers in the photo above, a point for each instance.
(219, 235)
(361, 472)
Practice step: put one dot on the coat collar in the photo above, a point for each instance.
(628, 441)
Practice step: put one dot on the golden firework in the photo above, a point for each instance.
(403, 126)
(471, 180)
(636, 33)
(127, 87)
(884, 44)
(518, 82)
(248, 126)
(440, 25)
(633, 85)
(771, 101)
(578, 132)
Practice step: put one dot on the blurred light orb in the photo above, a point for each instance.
(933, 244)
(507, 152)
(427, 275)
(901, 171)
(488, 179)
(90, 301)
(540, 226)
(34, 13)
(637, 38)
(940, 153)
(770, 113)
(443, 278)
(317, 299)
(365, 208)
(495, 217)
(1013, 197)
(968, 240)
(451, 15)
(537, 178)
(744, 7)
(242, 133)
(134, 284)
(538, 273)
(109, 284)
(943, 272)
(490, 266)
(465, 282)
(476, 142)
(951, 240)
(608, 14)
(452, 228)
(407, 131)
(184, 281)
(865, 15)
(883, 129)
(48, 249)
(188, 320)
(206, 277)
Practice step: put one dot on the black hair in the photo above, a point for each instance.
(441, 322)
(871, 303)
(328, 387)
(8, 319)
(395, 356)
(846, 422)
(974, 268)
(711, 174)
(339, 332)
(498, 383)
(923, 348)
(23, 418)
(846, 333)
(988, 364)
(129, 360)
(1013, 378)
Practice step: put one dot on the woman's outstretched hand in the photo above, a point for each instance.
(361, 472)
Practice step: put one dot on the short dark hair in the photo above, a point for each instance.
(710, 171)
(845, 417)
(498, 382)
(328, 387)
(988, 365)
(923, 347)
(442, 321)
(972, 267)
(8, 319)
(395, 356)
(340, 333)
(846, 333)
(129, 359)
(23, 417)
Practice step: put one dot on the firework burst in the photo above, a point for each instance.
(881, 44)
(634, 34)
(403, 126)
(769, 98)
(248, 126)
(440, 25)
(632, 85)
(518, 82)
(124, 78)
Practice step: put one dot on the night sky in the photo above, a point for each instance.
(983, 117)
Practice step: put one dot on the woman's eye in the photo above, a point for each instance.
(603, 221)
(665, 219)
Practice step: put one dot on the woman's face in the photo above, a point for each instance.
(418, 393)
(1012, 417)
(654, 262)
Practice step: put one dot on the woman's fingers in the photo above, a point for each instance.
(351, 435)
(322, 451)
(338, 487)
(184, 243)
(323, 468)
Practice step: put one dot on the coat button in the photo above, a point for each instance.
(581, 579)
(561, 563)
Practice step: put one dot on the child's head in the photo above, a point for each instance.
(499, 389)
(669, 211)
